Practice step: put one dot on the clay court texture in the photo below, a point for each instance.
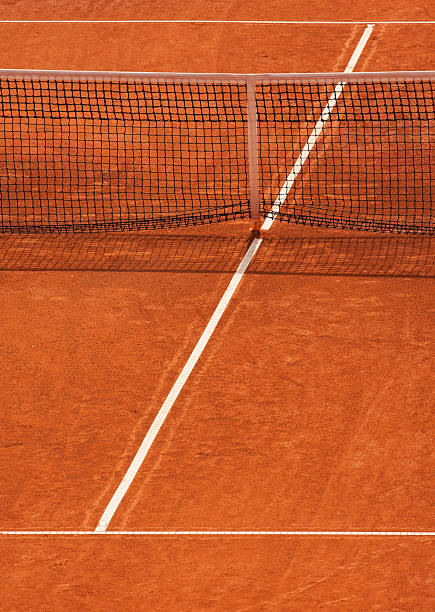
(200, 418)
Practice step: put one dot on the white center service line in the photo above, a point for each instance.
(215, 318)
(303, 156)
(178, 385)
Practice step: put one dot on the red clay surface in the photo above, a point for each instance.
(305, 421)
(218, 573)
(87, 361)
(359, 10)
(308, 410)
(184, 48)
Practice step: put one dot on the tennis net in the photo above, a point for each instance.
(113, 151)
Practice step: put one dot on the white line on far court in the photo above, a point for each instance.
(177, 387)
(214, 21)
(303, 156)
(145, 446)
(219, 533)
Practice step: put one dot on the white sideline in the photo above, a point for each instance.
(212, 21)
(222, 533)
(178, 385)
(303, 156)
(200, 346)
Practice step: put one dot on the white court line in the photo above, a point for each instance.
(212, 21)
(178, 385)
(195, 355)
(221, 533)
(303, 156)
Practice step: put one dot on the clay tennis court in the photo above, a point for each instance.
(291, 467)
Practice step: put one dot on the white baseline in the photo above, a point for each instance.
(220, 533)
(214, 21)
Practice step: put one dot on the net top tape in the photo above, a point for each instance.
(209, 77)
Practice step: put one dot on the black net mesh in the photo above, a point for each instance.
(89, 153)
(82, 155)
(369, 162)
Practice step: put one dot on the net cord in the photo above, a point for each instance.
(196, 77)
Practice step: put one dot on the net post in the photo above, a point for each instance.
(253, 153)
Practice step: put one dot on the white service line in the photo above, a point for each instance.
(197, 351)
(219, 533)
(303, 156)
(178, 385)
(213, 21)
